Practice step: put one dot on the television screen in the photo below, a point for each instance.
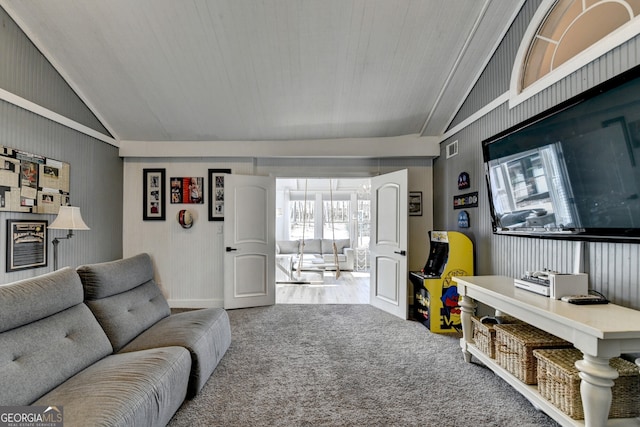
(572, 171)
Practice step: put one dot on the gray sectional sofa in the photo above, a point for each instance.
(100, 342)
(322, 248)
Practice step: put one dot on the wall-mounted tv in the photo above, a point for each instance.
(573, 171)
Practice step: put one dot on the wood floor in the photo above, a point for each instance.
(352, 287)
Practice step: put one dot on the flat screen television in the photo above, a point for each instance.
(572, 172)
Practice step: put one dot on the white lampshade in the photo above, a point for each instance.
(69, 218)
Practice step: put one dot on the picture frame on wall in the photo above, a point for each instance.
(216, 193)
(154, 194)
(26, 244)
(415, 203)
(187, 189)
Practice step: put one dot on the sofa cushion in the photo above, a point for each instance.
(313, 246)
(288, 246)
(125, 316)
(140, 317)
(35, 358)
(206, 333)
(327, 248)
(342, 244)
(46, 335)
(124, 297)
(111, 278)
(132, 389)
(329, 258)
(43, 296)
(327, 245)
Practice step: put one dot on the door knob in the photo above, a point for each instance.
(230, 249)
(403, 253)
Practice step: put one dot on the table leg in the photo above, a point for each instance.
(595, 388)
(467, 308)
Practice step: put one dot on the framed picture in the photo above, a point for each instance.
(153, 204)
(26, 244)
(216, 193)
(415, 203)
(187, 189)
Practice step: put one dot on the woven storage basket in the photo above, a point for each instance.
(484, 334)
(559, 382)
(514, 349)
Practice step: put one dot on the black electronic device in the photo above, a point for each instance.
(573, 171)
(492, 320)
(438, 256)
(584, 299)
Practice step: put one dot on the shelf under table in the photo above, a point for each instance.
(599, 331)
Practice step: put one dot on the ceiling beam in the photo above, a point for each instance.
(25, 104)
(397, 146)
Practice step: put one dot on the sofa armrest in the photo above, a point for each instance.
(350, 262)
(349, 252)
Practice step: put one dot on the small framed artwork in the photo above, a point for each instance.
(415, 203)
(187, 190)
(216, 193)
(26, 244)
(153, 204)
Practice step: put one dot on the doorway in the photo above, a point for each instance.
(324, 213)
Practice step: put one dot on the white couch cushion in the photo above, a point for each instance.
(313, 246)
(288, 246)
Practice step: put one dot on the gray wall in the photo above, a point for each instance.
(96, 169)
(613, 268)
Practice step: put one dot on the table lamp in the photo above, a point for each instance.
(69, 218)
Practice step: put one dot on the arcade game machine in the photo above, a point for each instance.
(435, 293)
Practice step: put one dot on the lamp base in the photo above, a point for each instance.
(56, 242)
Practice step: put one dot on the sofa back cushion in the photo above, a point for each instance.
(288, 246)
(342, 244)
(33, 299)
(313, 246)
(115, 277)
(47, 335)
(327, 245)
(124, 297)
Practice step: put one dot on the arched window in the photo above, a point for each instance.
(565, 35)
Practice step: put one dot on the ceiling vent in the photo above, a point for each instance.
(452, 149)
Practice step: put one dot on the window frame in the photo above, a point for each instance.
(517, 94)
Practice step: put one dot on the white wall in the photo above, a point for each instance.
(189, 262)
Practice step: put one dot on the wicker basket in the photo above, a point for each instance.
(514, 349)
(484, 334)
(559, 382)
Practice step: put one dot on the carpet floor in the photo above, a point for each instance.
(349, 365)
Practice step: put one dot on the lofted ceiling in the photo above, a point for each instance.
(269, 70)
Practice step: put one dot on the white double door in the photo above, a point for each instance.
(249, 240)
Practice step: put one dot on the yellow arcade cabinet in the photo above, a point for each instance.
(435, 293)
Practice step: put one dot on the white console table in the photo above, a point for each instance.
(599, 331)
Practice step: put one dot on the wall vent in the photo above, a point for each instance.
(452, 149)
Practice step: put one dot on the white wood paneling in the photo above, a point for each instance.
(188, 262)
(242, 70)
